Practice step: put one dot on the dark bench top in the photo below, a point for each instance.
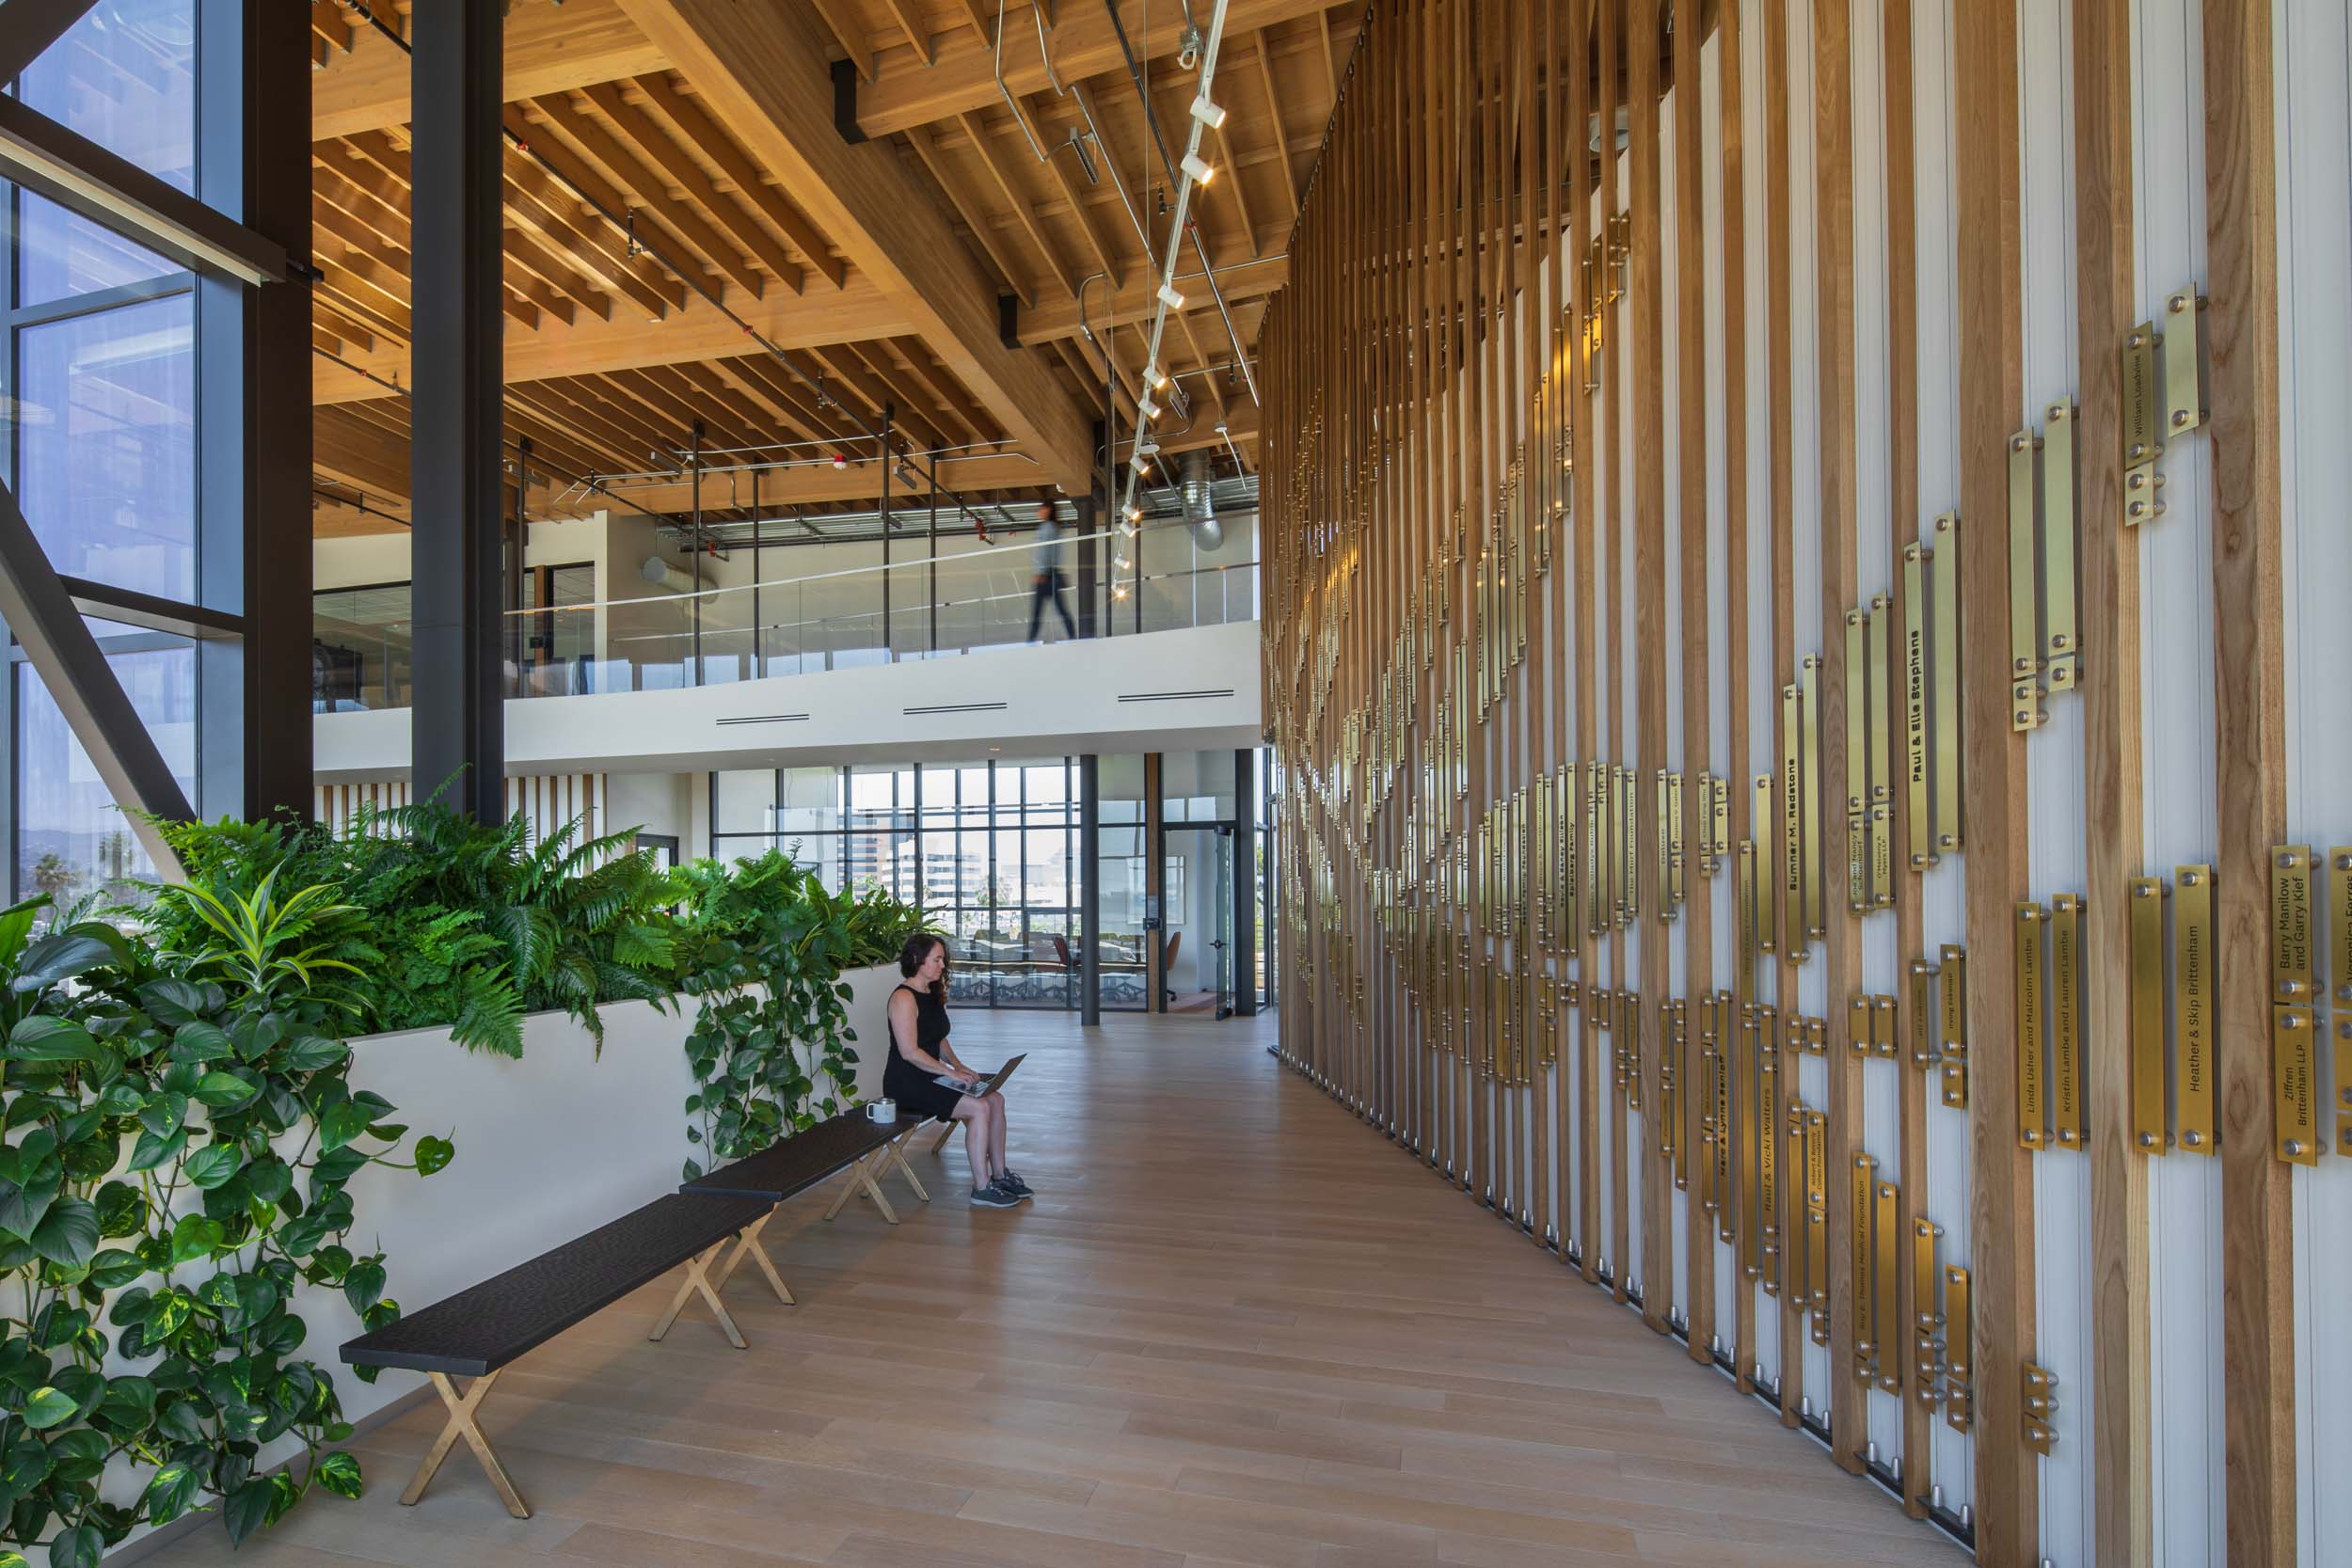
(484, 1327)
(794, 1164)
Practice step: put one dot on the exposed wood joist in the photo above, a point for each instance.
(549, 49)
(760, 70)
(628, 339)
(963, 78)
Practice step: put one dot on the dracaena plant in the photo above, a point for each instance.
(181, 1133)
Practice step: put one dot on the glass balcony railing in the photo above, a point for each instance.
(679, 636)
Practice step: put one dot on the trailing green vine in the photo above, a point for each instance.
(182, 1132)
(762, 946)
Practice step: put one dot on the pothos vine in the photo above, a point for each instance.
(181, 1132)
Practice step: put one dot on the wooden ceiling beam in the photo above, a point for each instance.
(688, 118)
(983, 21)
(525, 248)
(824, 420)
(762, 70)
(545, 402)
(951, 393)
(914, 397)
(639, 190)
(848, 30)
(1240, 282)
(1273, 118)
(849, 370)
(329, 186)
(1024, 206)
(819, 482)
(1233, 184)
(673, 160)
(1088, 224)
(358, 451)
(752, 425)
(910, 22)
(549, 49)
(964, 76)
(784, 413)
(975, 217)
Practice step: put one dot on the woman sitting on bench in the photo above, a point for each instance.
(920, 1055)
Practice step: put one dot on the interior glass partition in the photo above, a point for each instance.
(990, 850)
(841, 609)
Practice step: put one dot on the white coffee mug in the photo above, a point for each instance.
(883, 1110)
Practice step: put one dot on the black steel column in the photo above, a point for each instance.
(1090, 890)
(1089, 558)
(254, 159)
(1245, 885)
(457, 359)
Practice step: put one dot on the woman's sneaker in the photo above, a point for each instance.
(1010, 1182)
(994, 1196)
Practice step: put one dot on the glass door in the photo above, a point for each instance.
(1223, 923)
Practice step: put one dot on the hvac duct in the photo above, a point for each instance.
(1199, 512)
(662, 575)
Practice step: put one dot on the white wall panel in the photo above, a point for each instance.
(2314, 144)
(2177, 723)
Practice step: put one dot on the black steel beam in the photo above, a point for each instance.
(457, 354)
(28, 27)
(109, 189)
(35, 607)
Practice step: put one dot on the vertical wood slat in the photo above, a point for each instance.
(1608, 589)
(1992, 397)
(1649, 652)
(1729, 64)
(1779, 361)
(1841, 941)
(1903, 371)
(2121, 1409)
(1584, 522)
(2257, 1261)
(1697, 713)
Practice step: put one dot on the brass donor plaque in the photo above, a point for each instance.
(2295, 1071)
(2146, 919)
(2193, 1095)
(2290, 924)
(2030, 1020)
(2066, 1020)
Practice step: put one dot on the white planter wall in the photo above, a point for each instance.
(549, 1146)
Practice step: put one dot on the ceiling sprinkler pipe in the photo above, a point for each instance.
(1200, 511)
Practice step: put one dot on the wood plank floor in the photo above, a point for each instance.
(1237, 1327)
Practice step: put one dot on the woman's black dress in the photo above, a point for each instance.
(918, 1094)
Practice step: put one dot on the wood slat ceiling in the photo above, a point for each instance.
(617, 172)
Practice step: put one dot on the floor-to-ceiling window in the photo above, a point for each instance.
(989, 849)
(107, 438)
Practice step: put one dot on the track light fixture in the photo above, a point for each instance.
(1209, 114)
(1202, 170)
(1146, 408)
(1169, 297)
(1134, 513)
(1121, 562)
(1154, 376)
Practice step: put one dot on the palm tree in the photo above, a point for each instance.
(52, 873)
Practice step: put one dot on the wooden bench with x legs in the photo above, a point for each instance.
(852, 1141)
(476, 1332)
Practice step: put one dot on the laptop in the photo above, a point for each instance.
(988, 1083)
